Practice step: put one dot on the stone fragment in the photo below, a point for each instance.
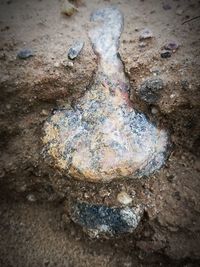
(179, 11)
(100, 220)
(68, 9)
(150, 90)
(172, 46)
(165, 54)
(24, 54)
(167, 6)
(102, 137)
(75, 50)
(145, 34)
(123, 198)
(31, 198)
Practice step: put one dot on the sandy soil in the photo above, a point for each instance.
(34, 228)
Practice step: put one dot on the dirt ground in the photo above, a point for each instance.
(34, 227)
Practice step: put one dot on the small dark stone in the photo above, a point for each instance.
(24, 54)
(150, 89)
(100, 219)
(75, 50)
(166, 7)
(165, 54)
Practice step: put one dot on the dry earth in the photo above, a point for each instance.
(34, 227)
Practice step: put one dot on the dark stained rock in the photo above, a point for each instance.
(100, 220)
(165, 54)
(150, 90)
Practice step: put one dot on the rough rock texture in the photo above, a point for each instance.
(100, 220)
(32, 233)
(102, 137)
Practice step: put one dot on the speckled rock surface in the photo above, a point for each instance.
(102, 137)
(100, 220)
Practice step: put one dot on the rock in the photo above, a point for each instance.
(67, 63)
(154, 110)
(145, 34)
(102, 137)
(75, 50)
(149, 90)
(100, 220)
(25, 53)
(123, 198)
(165, 54)
(167, 6)
(31, 198)
(172, 46)
(142, 44)
(68, 9)
(179, 11)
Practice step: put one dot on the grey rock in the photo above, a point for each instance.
(172, 46)
(167, 6)
(149, 90)
(25, 53)
(75, 50)
(145, 34)
(100, 220)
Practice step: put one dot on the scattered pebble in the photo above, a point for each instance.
(142, 44)
(166, 7)
(68, 9)
(56, 64)
(75, 50)
(179, 11)
(124, 198)
(31, 198)
(150, 89)
(145, 34)
(8, 106)
(67, 64)
(165, 54)
(24, 54)
(172, 46)
(154, 110)
(44, 112)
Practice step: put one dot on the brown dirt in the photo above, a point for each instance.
(40, 233)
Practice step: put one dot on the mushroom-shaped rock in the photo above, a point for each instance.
(102, 137)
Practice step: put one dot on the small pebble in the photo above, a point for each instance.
(68, 9)
(56, 64)
(142, 44)
(145, 34)
(31, 198)
(166, 7)
(44, 112)
(179, 11)
(165, 54)
(75, 49)
(154, 110)
(8, 106)
(124, 198)
(67, 64)
(172, 46)
(150, 89)
(24, 54)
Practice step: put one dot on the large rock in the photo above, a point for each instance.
(100, 220)
(102, 137)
